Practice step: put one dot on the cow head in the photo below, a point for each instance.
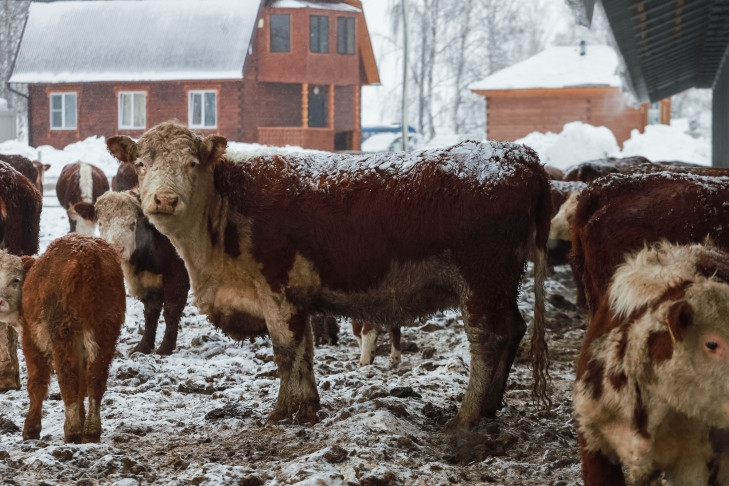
(119, 215)
(12, 274)
(175, 169)
(85, 217)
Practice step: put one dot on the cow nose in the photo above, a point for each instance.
(165, 202)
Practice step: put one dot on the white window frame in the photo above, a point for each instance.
(190, 104)
(64, 95)
(119, 110)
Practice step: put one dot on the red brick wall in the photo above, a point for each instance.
(97, 108)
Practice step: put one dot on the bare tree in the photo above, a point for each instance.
(12, 19)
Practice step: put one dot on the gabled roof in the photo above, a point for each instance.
(135, 40)
(558, 67)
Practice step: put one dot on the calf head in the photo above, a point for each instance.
(560, 226)
(172, 163)
(12, 274)
(120, 217)
(85, 217)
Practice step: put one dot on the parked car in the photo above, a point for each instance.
(390, 142)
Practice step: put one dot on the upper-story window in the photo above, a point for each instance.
(280, 32)
(203, 109)
(345, 35)
(319, 33)
(63, 111)
(132, 110)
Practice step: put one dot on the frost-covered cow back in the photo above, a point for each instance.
(270, 239)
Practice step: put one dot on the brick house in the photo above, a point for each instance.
(561, 85)
(273, 72)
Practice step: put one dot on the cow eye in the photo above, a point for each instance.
(193, 164)
(712, 345)
(132, 226)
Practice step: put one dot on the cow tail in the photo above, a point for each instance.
(539, 353)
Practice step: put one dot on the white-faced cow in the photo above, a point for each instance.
(384, 238)
(154, 272)
(652, 373)
(71, 312)
(20, 209)
(79, 186)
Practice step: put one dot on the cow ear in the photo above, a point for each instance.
(84, 209)
(212, 149)
(28, 262)
(123, 148)
(679, 319)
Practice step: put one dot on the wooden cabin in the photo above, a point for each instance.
(277, 72)
(562, 85)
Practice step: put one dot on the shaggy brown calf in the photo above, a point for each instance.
(72, 309)
(384, 238)
(620, 213)
(79, 186)
(652, 373)
(34, 170)
(20, 209)
(154, 272)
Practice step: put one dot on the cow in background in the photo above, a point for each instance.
(20, 210)
(79, 186)
(384, 238)
(125, 178)
(154, 272)
(70, 328)
(32, 169)
(651, 376)
(592, 169)
(620, 213)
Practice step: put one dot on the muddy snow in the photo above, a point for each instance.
(199, 416)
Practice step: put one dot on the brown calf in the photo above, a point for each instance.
(384, 238)
(71, 313)
(79, 186)
(620, 213)
(154, 272)
(20, 209)
(652, 373)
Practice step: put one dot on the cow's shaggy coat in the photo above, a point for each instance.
(652, 373)
(73, 306)
(385, 238)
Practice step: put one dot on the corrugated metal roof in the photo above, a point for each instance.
(135, 40)
(670, 46)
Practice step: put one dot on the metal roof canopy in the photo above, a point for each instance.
(671, 45)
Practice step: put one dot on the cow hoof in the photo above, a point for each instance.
(143, 348)
(92, 438)
(165, 350)
(31, 433)
(459, 424)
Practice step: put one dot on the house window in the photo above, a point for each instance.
(654, 113)
(132, 110)
(319, 33)
(203, 109)
(345, 35)
(280, 33)
(63, 111)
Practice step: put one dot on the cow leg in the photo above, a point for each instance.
(598, 469)
(97, 376)
(368, 344)
(152, 311)
(68, 363)
(39, 376)
(395, 353)
(511, 332)
(72, 225)
(293, 352)
(9, 366)
(173, 314)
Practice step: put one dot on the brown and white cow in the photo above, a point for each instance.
(154, 272)
(32, 169)
(384, 238)
(125, 178)
(20, 209)
(78, 187)
(652, 376)
(72, 309)
(620, 213)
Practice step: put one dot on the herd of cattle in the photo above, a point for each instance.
(277, 244)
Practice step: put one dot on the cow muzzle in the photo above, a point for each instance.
(165, 203)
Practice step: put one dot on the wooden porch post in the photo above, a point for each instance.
(331, 107)
(305, 105)
(356, 142)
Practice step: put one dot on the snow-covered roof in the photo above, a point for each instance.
(135, 40)
(558, 67)
(304, 4)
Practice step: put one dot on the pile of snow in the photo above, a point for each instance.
(579, 142)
